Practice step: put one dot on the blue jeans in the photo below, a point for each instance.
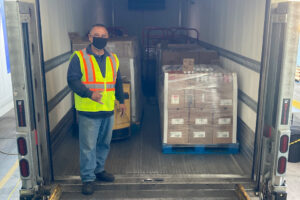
(94, 142)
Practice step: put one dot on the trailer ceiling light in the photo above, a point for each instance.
(22, 146)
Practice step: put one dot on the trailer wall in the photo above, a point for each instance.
(235, 29)
(58, 18)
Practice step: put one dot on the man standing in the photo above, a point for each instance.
(94, 77)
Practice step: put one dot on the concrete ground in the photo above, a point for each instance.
(9, 169)
(293, 180)
(293, 169)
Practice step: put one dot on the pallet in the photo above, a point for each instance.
(201, 149)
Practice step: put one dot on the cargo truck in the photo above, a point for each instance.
(256, 39)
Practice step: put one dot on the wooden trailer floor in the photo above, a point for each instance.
(141, 154)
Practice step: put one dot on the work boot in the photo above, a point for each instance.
(104, 176)
(88, 188)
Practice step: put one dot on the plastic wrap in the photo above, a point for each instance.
(198, 107)
(173, 54)
(128, 52)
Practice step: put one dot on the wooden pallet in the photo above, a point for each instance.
(201, 149)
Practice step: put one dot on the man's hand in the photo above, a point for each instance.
(122, 109)
(97, 96)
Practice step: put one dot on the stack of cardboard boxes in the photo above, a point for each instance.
(198, 107)
(174, 54)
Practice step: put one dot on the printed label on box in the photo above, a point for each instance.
(224, 121)
(176, 134)
(223, 134)
(201, 121)
(226, 102)
(177, 121)
(175, 99)
(200, 134)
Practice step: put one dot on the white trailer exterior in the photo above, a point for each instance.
(256, 39)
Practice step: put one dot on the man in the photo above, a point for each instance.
(94, 77)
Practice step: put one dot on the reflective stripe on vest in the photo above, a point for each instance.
(93, 79)
(90, 76)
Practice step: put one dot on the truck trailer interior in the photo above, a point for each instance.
(141, 154)
(234, 29)
(234, 26)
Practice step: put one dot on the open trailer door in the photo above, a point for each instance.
(276, 93)
(271, 150)
(29, 97)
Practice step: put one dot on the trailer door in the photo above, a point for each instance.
(276, 92)
(29, 96)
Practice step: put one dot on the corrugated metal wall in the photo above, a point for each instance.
(58, 18)
(236, 26)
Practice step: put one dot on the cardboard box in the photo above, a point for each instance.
(210, 97)
(189, 98)
(177, 118)
(177, 81)
(204, 99)
(188, 65)
(223, 100)
(223, 118)
(202, 81)
(176, 90)
(178, 135)
(201, 117)
(200, 135)
(125, 120)
(225, 82)
(176, 99)
(214, 99)
(222, 134)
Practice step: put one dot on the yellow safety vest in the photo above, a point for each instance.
(92, 78)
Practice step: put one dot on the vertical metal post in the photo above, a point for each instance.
(262, 96)
(276, 92)
(48, 172)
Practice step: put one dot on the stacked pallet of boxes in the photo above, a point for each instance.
(198, 107)
(173, 54)
(128, 52)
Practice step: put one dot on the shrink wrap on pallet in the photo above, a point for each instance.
(198, 107)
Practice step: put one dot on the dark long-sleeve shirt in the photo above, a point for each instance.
(74, 81)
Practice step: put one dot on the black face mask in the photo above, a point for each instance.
(99, 43)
